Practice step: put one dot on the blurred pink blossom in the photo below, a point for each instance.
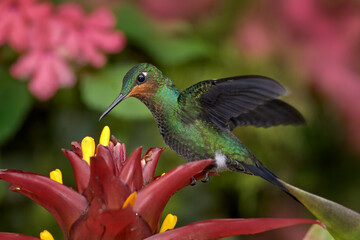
(14, 18)
(48, 72)
(254, 38)
(88, 36)
(322, 39)
(51, 37)
(45, 61)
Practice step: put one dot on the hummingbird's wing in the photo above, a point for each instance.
(271, 113)
(241, 100)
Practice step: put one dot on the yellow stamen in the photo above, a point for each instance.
(56, 175)
(105, 136)
(46, 235)
(130, 200)
(162, 174)
(169, 223)
(88, 148)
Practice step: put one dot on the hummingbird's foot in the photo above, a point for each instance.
(207, 178)
(193, 181)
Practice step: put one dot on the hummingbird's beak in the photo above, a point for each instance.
(116, 101)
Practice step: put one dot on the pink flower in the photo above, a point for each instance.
(86, 37)
(50, 38)
(48, 70)
(14, 18)
(254, 37)
(46, 60)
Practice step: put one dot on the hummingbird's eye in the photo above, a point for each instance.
(141, 78)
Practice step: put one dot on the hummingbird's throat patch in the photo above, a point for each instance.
(142, 90)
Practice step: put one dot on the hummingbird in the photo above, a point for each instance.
(197, 123)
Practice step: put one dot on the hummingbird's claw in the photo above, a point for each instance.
(193, 181)
(207, 178)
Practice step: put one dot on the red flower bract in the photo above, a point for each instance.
(95, 209)
(99, 209)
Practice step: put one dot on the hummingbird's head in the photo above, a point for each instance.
(141, 81)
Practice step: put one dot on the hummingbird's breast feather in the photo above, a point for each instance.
(192, 135)
(200, 139)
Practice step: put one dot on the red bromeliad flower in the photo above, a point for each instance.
(118, 197)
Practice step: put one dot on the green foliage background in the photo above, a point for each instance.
(315, 157)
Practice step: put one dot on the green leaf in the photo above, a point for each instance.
(99, 90)
(341, 222)
(317, 233)
(167, 50)
(15, 102)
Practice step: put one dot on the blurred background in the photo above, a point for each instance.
(62, 64)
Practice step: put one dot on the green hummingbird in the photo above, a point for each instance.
(196, 123)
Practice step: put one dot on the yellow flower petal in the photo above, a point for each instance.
(169, 223)
(130, 200)
(105, 136)
(46, 235)
(56, 175)
(88, 148)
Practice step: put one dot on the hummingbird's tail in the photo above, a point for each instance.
(261, 171)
